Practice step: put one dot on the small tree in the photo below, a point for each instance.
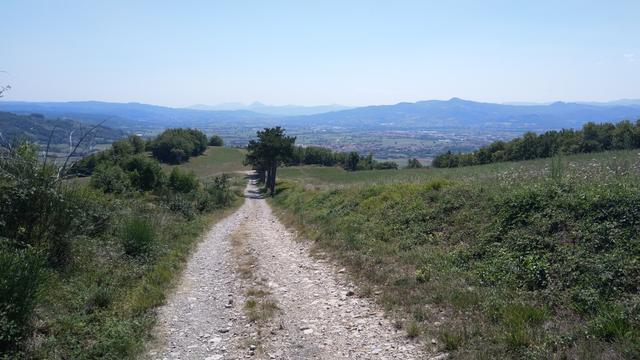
(183, 182)
(138, 144)
(414, 164)
(351, 163)
(270, 150)
(216, 140)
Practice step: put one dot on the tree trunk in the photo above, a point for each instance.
(261, 176)
(272, 185)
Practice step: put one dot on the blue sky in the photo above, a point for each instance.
(179, 53)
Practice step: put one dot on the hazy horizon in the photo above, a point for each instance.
(290, 53)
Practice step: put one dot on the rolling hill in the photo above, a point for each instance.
(134, 116)
(38, 128)
(458, 113)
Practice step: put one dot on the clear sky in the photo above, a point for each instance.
(180, 53)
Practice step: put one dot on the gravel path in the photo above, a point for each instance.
(318, 315)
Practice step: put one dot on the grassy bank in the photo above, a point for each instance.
(215, 161)
(536, 259)
(103, 306)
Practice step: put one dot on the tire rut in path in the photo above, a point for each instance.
(318, 316)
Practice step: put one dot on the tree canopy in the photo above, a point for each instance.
(216, 140)
(271, 149)
(175, 146)
(592, 138)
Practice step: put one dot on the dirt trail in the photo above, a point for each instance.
(317, 316)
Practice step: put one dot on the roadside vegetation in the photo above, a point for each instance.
(537, 259)
(85, 264)
(592, 138)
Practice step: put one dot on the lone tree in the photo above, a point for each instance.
(270, 150)
(216, 140)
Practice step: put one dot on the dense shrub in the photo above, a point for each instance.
(119, 151)
(19, 282)
(36, 209)
(182, 182)
(216, 195)
(110, 178)
(40, 218)
(216, 140)
(175, 146)
(145, 173)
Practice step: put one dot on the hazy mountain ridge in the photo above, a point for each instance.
(126, 115)
(463, 113)
(453, 113)
(285, 110)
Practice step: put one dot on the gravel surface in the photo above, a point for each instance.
(318, 315)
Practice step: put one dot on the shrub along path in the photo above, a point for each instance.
(250, 290)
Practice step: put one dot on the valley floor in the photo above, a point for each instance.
(251, 290)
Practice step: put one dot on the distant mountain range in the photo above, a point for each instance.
(133, 115)
(463, 113)
(453, 113)
(286, 110)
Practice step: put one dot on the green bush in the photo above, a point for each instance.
(175, 146)
(36, 208)
(216, 140)
(110, 179)
(145, 173)
(182, 204)
(137, 236)
(119, 151)
(183, 182)
(217, 194)
(19, 282)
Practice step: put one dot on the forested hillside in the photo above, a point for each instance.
(36, 127)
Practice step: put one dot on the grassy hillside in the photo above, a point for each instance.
(85, 265)
(215, 161)
(535, 259)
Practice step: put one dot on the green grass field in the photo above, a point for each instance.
(536, 259)
(600, 165)
(215, 161)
